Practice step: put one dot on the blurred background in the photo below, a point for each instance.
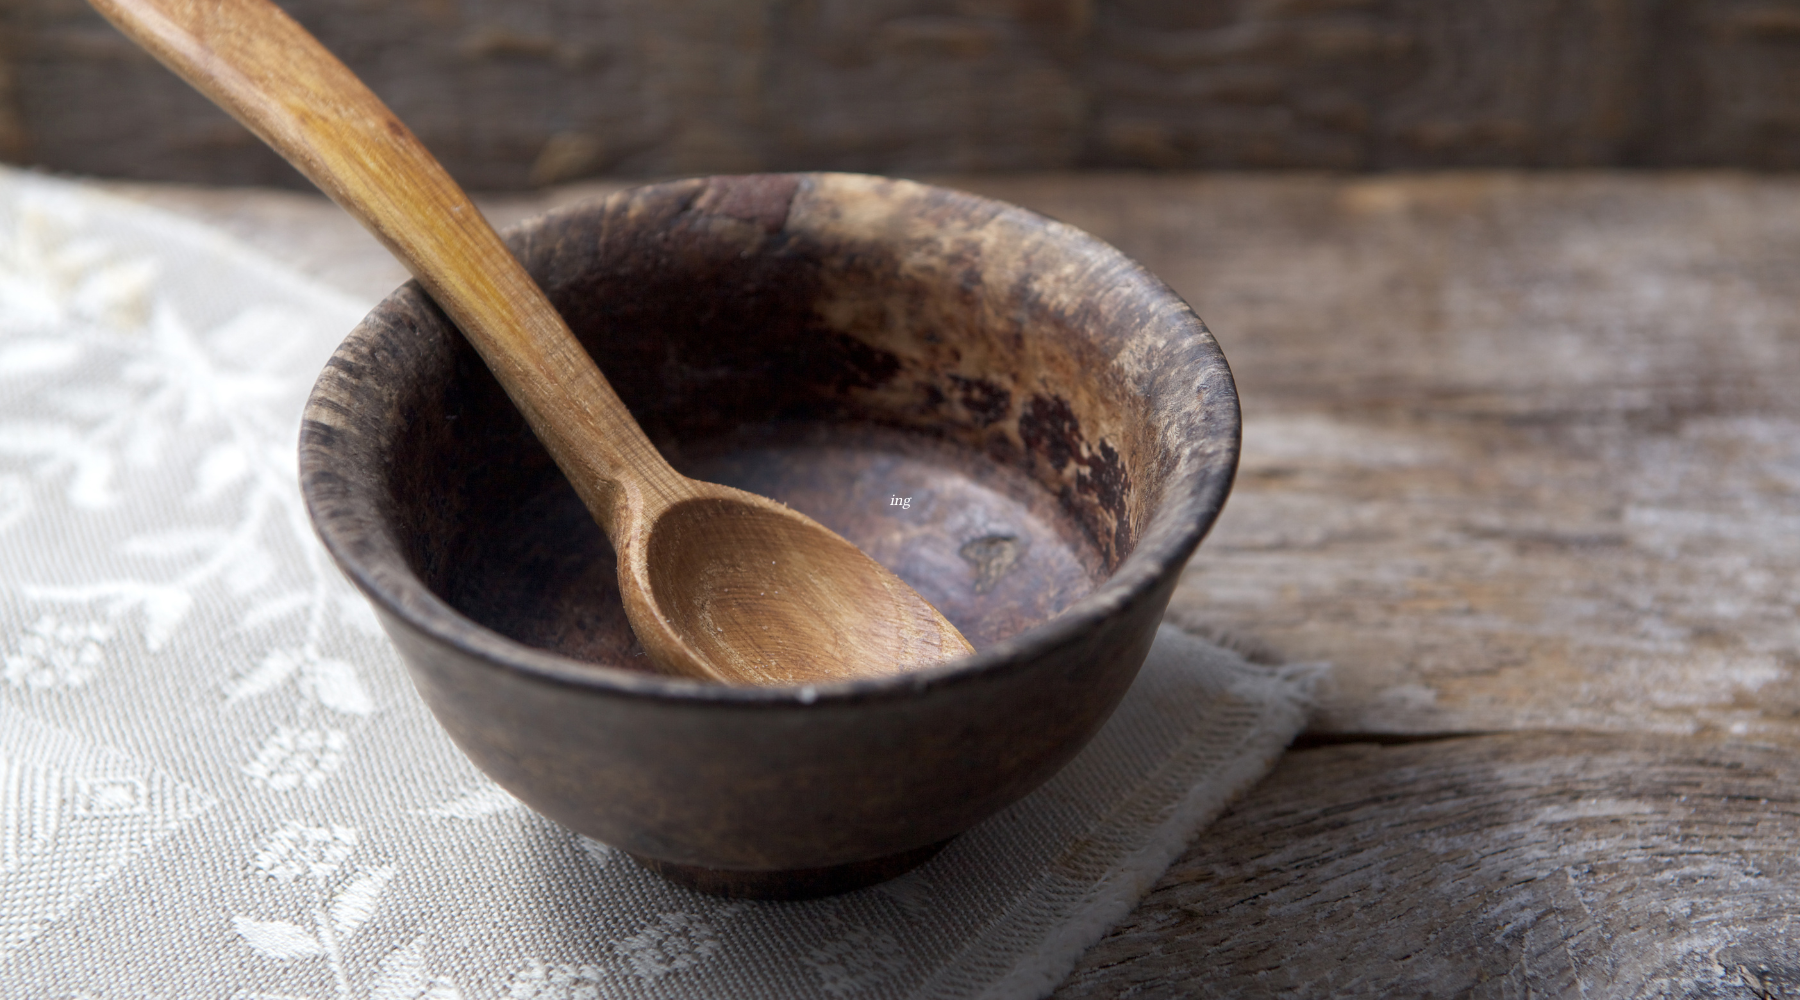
(514, 94)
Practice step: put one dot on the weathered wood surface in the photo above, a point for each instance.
(1510, 866)
(1522, 453)
(512, 94)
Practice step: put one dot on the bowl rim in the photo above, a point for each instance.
(405, 597)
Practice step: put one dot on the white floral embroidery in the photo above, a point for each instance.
(913, 892)
(314, 857)
(544, 981)
(118, 385)
(330, 683)
(855, 961)
(600, 854)
(57, 654)
(49, 278)
(111, 797)
(403, 975)
(72, 817)
(280, 939)
(311, 851)
(15, 495)
(479, 802)
(294, 757)
(673, 943)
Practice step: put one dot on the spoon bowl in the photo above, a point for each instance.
(722, 567)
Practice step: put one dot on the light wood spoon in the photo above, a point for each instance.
(717, 583)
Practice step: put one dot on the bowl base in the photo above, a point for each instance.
(792, 883)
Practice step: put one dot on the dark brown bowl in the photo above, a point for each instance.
(1063, 424)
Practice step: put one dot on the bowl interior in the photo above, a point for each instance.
(988, 547)
(929, 374)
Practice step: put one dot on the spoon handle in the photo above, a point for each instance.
(254, 61)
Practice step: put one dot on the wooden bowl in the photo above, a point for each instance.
(1020, 422)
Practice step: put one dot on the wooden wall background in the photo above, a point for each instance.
(514, 93)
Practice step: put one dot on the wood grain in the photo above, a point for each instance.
(1518, 865)
(514, 95)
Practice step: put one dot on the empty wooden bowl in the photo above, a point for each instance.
(1017, 420)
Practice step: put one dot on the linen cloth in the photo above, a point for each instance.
(215, 780)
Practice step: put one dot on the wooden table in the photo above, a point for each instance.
(1522, 461)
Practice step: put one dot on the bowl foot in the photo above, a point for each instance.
(792, 883)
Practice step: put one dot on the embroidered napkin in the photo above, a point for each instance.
(216, 781)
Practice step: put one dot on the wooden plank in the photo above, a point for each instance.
(1514, 865)
(512, 95)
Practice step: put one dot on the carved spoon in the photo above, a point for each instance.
(717, 583)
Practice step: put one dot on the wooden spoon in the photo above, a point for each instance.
(717, 583)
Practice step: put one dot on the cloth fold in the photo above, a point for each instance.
(215, 780)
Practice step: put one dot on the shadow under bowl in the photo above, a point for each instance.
(1021, 423)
